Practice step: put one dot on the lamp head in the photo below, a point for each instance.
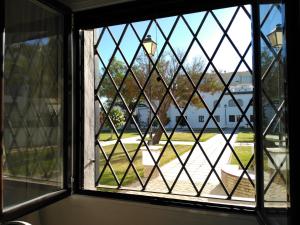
(149, 45)
(275, 36)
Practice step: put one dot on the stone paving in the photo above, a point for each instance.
(198, 168)
(131, 140)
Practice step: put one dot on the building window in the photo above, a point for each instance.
(251, 118)
(201, 119)
(217, 117)
(231, 103)
(238, 117)
(181, 121)
(231, 118)
(215, 103)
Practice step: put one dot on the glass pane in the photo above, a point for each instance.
(274, 114)
(177, 121)
(33, 103)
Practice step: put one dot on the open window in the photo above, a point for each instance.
(33, 112)
(195, 118)
(181, 151)
(185, 104)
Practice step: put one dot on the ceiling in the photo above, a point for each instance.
(78, 5)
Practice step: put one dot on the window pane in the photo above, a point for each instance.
(33, 103)
(231, 118)
(274, 112)
(217, 117)
(201, 118)
(154, 112)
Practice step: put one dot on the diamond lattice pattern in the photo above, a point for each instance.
(172, 122)
(273, 80)
(33, 118)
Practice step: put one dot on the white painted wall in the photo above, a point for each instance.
(192, 113)
(83, 210)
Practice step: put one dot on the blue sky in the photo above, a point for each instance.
(225, 60)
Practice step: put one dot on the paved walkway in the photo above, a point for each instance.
(197, 167)
(130, 140)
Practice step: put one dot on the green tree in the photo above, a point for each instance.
(274, 80)
(273, 84)
(181, 88)
(117, 117)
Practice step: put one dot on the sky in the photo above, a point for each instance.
(210, 34)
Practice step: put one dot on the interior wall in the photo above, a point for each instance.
(81, 210)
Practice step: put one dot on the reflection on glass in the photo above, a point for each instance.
(32, 163)
(177, 106)
(276, 166)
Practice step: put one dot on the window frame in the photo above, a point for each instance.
(292, 22)
(118, 14)
(29, 206)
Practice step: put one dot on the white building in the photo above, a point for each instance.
(227, 113)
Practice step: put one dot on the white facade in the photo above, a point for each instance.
(227, 113)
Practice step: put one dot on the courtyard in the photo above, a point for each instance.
(199, 159)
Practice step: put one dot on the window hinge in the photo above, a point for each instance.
(72, 184)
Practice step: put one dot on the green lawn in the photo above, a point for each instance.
(245, 137)
(106, 135)
(187, 136)
(119, 162)
(244, 153)
(37, 162)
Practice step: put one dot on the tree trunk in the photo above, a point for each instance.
(162, 114)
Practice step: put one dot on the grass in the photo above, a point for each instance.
(187, 136)
(119, 162)
(106, 135)
(177, 136)
(245, 137)
(39, 162)
(244, 153)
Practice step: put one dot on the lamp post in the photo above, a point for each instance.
(275, 39)
(150, 47)
(225, 107)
